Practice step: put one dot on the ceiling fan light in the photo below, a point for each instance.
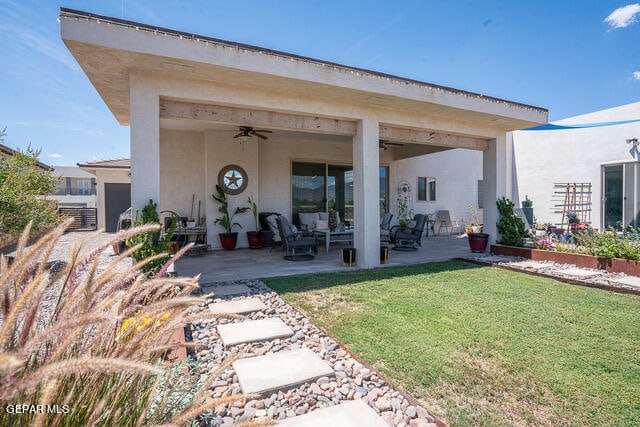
(245, 138)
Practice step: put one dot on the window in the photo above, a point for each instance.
(480, 201)
(84, 187)
(316, 187)
(426, 189)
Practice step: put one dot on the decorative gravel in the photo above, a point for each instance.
(352, 380)
(599, 278)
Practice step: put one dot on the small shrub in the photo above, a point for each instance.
(510, 227)
(153, 244)
(23, 188)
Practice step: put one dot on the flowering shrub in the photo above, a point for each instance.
(546, 244)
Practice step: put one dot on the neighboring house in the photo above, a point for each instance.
(6, 151)
(185, 97)
(599, 148)
(76, 188)
(113, 188)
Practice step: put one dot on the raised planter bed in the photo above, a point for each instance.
(612, 265)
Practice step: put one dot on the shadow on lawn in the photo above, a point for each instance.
(307, 282)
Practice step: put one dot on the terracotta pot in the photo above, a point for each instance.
(255, 239)
(228, 240)
(478, 242)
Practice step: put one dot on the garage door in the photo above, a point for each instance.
(117, 199)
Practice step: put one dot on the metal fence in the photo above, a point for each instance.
(85, 219)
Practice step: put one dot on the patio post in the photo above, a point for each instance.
(497, 164)
(145, 142)
(366, 193)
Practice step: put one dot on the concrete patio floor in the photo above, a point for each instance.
(223, 266)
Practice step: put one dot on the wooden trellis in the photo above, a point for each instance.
(572, 197)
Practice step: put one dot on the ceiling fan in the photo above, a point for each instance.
(247, 132)
(385, 145)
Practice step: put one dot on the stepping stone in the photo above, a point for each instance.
(629, 281)
(353, 413)
(280, 371)
(221, 291)
(493, 258)
(579, 272)
(241, 306)
(253, 331)
(527, 264)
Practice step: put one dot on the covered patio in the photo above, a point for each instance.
(244, 264)
(186, 96)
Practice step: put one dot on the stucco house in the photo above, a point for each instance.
(7, 152)
(113, 189)
(76, 188)
(185, 97)
(599, 149)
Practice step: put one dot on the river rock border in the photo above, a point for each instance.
(594, 278)
(353, 379)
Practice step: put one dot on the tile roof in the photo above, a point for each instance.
(122, 163)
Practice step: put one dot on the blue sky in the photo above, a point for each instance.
(572, 57)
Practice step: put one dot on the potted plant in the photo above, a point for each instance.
(527, 208)
(404, 211)
(254, 237)
(475, 226)
(228, 239)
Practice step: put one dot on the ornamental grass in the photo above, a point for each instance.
(87, 346)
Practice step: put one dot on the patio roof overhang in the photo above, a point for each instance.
(156, 79)
(109, 50)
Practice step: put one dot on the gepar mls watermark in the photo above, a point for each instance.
(23, 408)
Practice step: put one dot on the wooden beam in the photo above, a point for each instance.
(259, 118)
(432, 138)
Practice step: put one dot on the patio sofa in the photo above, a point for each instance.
(316, 220)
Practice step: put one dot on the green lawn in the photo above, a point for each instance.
(485, 346)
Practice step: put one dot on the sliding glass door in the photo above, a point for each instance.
(318, 187)
(308, 188)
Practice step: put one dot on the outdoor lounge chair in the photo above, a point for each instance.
(297, 246)
(408, 238)
(385, 223)
(443, 222)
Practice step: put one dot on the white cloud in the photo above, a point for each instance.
(636, 75)
(623, 16)
(55, 156)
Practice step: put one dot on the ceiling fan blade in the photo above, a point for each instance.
(397, 144)
(260, 136)
(263, 130)
(238, 135)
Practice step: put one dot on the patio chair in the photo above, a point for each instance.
(444, 222)
(297, 246)
(385, 223)
(406, 238)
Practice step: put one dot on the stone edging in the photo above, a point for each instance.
(508, 264)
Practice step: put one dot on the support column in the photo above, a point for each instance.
(145, 143)
(496, 170)
(366, 192)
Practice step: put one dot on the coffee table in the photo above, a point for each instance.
(336, 236)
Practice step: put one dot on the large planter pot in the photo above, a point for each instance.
(255, 239)
(478, 241)
(528, 213)
(228, 240)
